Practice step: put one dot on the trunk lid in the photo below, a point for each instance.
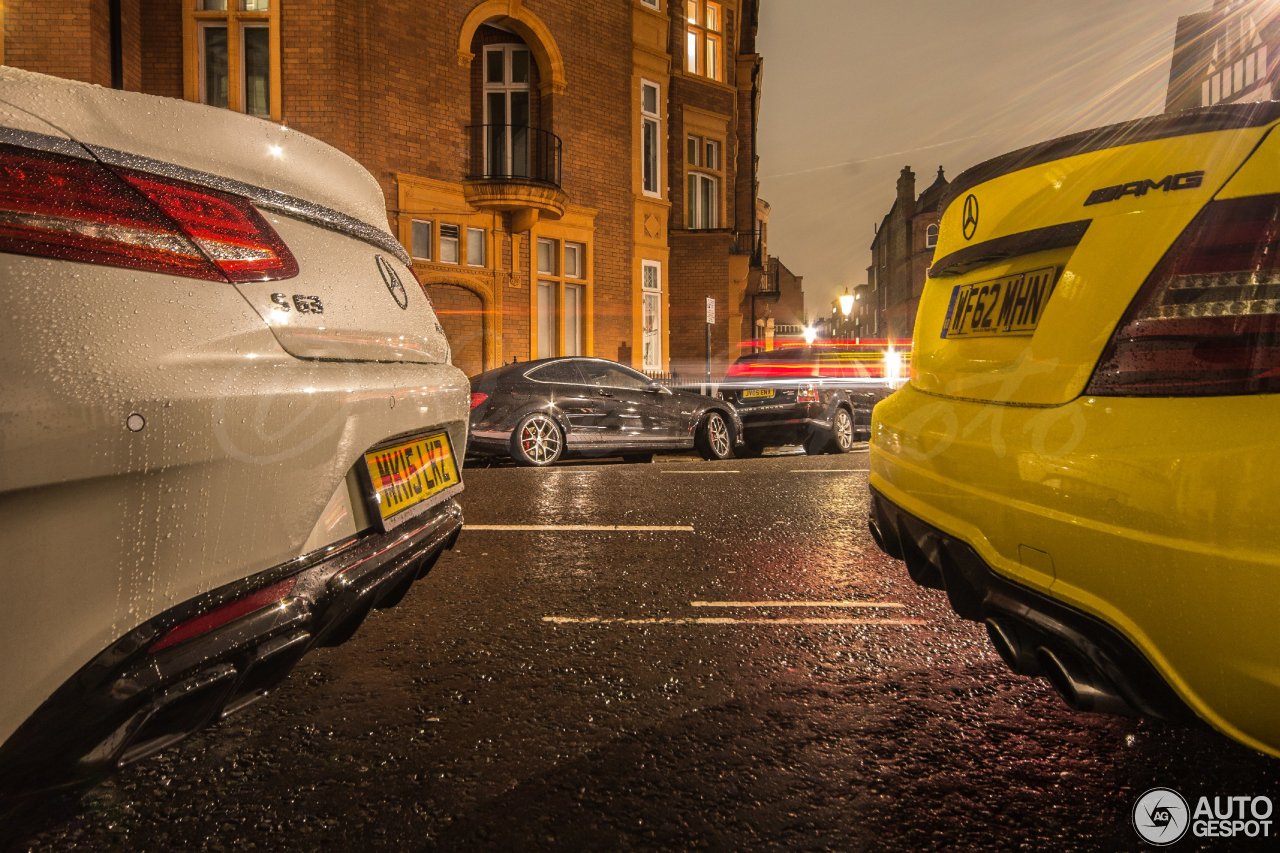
(354, 298)
(1041, 251)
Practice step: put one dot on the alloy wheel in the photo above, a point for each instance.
(539, 440)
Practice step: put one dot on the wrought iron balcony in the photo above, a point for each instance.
(511, 152)
(515, 168)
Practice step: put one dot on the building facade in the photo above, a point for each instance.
(901, 254)
(569, 178)
(1225, 55)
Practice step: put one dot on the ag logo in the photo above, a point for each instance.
(1161, 816)
(393, 283)
(970, 220)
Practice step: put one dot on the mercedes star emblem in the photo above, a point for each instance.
(393, 282)
(970, 221)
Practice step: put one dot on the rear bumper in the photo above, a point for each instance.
(128, 702)
(1093, 666)
(1152, 517)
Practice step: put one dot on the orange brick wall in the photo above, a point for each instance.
(60, 38)
(458, 309)
(162, 48)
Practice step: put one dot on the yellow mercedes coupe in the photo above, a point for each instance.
(1085, 455)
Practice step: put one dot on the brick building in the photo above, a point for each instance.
(1224, 55)
(901, 254)
(569, 178)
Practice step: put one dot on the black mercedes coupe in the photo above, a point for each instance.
(536, 412)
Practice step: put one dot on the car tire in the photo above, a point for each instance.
(842, 432)
(537, 441)
(715, 437)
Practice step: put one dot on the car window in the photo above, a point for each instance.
(566, 372)
(612, 375)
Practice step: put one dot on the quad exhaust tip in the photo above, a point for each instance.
(1080, 687)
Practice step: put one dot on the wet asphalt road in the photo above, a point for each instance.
(623, 689)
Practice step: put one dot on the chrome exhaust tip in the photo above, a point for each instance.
(1080, 687)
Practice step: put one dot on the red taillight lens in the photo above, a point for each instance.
(232, 234)
(220, 616)
(1207, 320)
(807, 394)
(478, 397)
(64, 207)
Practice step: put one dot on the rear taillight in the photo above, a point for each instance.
(1207, 320)
(477, 398)
(807, 394)
(77, 210)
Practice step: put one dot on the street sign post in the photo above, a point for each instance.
(711, 319)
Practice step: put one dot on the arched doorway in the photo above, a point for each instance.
(461, 313)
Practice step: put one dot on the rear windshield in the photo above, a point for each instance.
(864, 363)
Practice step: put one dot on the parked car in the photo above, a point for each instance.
(537, 412)
(229, 419)
(1084, 455)
(819, 397)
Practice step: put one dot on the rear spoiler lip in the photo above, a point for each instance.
(1166, 126)
(1066, 235)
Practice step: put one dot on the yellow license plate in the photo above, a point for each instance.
(410, 473)
(757, 393)
(1011, 305)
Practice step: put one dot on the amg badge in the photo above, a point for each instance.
(1170, 183)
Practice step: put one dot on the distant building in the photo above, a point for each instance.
(778, 314)
(900, 256)
(1226, 55)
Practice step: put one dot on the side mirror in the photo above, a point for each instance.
(657, 388)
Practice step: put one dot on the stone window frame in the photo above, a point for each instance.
(702, 169)
(235, 19)
(652, 158)
(558, 281)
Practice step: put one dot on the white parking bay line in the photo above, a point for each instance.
(768, 604)
(717, 471)
(585, 528)
(721, 620)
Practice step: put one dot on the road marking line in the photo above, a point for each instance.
(720, 620)
(841, 604)
(830, 470)
(586, 528)
(735, 471)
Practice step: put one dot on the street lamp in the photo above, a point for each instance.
(810, 335)
(846, 302)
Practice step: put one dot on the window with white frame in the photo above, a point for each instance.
(651, 315)
(476, 255)
(931, 236)
(420, 239)
(702, 202)
(449, 239)
(561, 307)
(574, 253)
(651, 137)
(652, 4)
(506, 110)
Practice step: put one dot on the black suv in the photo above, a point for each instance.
(816, 396)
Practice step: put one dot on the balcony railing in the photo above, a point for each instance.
(511, 152)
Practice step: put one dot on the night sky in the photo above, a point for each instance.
(856, 89)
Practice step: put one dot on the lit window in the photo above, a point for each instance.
(475, 247)
(704, 26)
(449, 239)
(651, 138)
(420, 239)
(546, 319)
(574, 301)
(232, 50)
